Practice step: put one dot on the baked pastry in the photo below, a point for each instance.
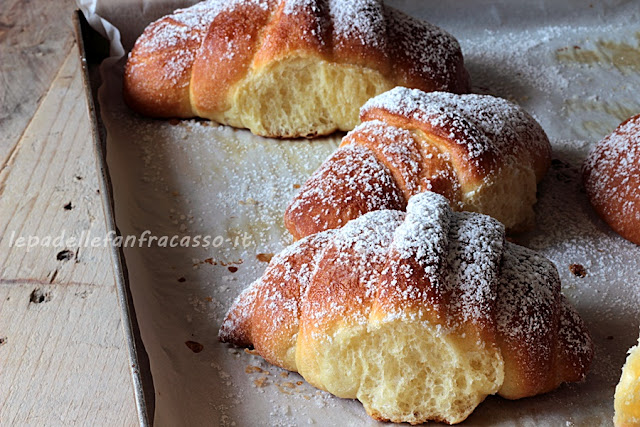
(627, 397)
(483, 153)
(285, 68)
(612, 179)
(419, 315)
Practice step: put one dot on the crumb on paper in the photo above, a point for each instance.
(578, 270)
(284, 374)
(260, 382)
(248, 201)
(283, 390)
(264, 257)
(194, 346)
(211, 261)
(250, 369)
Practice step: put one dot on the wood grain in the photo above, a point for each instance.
(53, 168)
(63, 357)
(35, 37)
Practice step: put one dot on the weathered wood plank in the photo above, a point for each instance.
(35, 37)
(49, 188)
(63, 357)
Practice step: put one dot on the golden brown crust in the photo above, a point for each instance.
(302, 33)
(480, 133)
(190, 63)
(239, 26)
(468, 148)
(349, 167)
(275, 332)
(555, 339)
(406, 165)
(450, 271)
(611, 175)
(152, 86)
(416, 68)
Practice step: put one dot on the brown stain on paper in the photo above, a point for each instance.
(622, 55)
(264, 257)
(617, 113)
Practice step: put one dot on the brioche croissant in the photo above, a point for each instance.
(483, 153)
(420, 315)
(627, 397)
(611, 175)
(285, 68)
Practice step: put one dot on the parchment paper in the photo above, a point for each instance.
(575, 66)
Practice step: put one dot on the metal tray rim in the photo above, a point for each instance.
(139, 361)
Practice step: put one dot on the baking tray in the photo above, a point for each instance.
(574, 65)
(90, 60)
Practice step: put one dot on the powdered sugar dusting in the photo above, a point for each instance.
(529, 288)
(571, 332)
(459, 252)
(426, 49)
(613, 169)
(243, 307)
(293, 7)
(183, 32)
(430, 50)
(530, 307)
(308, 7)
(357, 253)
(362, 20)
(484, 280)
(476, 245)
(399, 151)
(414, 273)
(425, 229)
(370, 237)
(271, 294)
(173, 36)
(483, 124)
(351, 167)
(510, 50)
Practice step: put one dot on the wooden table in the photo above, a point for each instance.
(63, 357)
